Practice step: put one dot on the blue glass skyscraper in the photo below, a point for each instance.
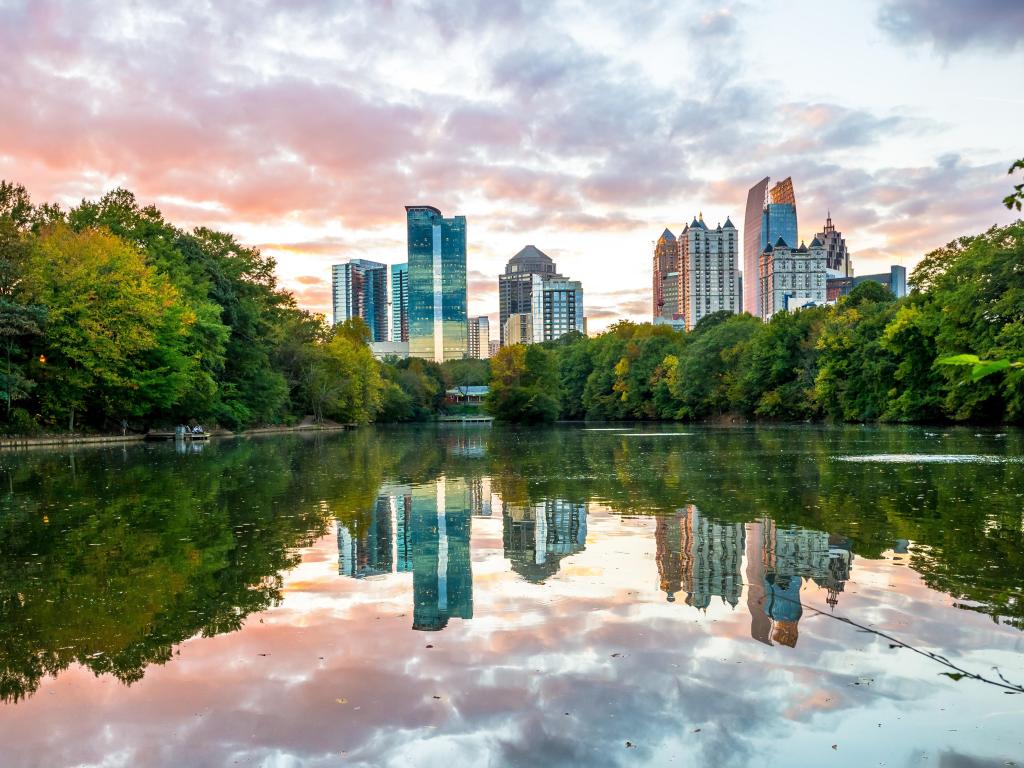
(399, 302)
(437, 284)
(770, 214)
(359, 289)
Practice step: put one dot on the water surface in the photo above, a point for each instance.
(563, 596)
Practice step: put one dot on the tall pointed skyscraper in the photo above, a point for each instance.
(437, 284)
(666, 301)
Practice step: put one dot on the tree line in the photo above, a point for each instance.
(112, 317)
(870, 357)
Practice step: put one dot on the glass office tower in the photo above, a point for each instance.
(360, 289)
(399, 302)
(770, 214)
(437, 284)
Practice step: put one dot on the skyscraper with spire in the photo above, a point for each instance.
(665, 303)
(837, 258)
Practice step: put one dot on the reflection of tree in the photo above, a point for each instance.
(965, 519)
(109, 558)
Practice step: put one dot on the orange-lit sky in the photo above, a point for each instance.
(582, 128)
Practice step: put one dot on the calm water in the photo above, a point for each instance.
(472, 596)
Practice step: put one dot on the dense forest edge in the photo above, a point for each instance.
(111, 317)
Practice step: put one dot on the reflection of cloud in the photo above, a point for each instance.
(336, 671)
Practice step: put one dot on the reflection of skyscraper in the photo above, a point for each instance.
(365, 544)
(480, 496)
(778, 561)
(426, 530)
(711, 554)
(668, 542)
(699, 555)
(442, 580)
(536, 537)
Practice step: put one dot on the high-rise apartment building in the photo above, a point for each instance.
(515, 287)
(791, 278)
(837, 258)
(359, 289)
(532, 286)
(557, 307)
(518, 329)
(708, 270)
(493, 346)
(399, 302)
(437, 284)
(665, 295)
(770, 214)
(479, 337)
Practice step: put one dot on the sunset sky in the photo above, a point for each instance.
(582, 128)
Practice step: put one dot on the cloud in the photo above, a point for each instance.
(951, 25)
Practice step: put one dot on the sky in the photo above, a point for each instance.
(583, 128)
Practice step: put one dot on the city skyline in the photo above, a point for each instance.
(311, 155)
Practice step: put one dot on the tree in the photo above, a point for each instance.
(1016, 198)
(112, 328)
(707, 370)
(524, 385)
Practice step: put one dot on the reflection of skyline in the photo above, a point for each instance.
(424, 529)
(703, 558)
(537, 536)
(778, 560)
(699, 556)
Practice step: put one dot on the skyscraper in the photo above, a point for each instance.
(770, 214)
(359, 289)
(837, 258)
(708, 270)
(437, 284)
(557, 307)
(399, 302)
(531, 286)
(665, 295)
(479, 337)
(515, 287)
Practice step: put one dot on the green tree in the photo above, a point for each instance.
(524, 385)
(708, 371)
(112, 329)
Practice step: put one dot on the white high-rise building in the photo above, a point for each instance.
(479, 337)
(791, 278)
(708, 270)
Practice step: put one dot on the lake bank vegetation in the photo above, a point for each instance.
(113, 318)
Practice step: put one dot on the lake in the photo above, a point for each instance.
(580, 595)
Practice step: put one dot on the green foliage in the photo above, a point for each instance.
(466, 373)
(1016, 198)
(524, 385)
(137, 319)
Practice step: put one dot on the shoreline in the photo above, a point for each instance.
(15, 442)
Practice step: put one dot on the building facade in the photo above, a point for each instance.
(770, 214)
(708, 270)
(791, 278)
(515, 287)
(557, 307)
(895, 280)
(437, 284)
(665, 293)
(837, 258)
(479, 337)
(492, 347)
(400, 302)
(518, 329)
(359, 289)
